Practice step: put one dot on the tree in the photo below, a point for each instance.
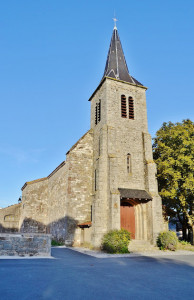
(173, 151)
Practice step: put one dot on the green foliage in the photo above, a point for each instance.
(167, 240)
(56, 243)
(184, 243)
(173, 150)
(185, 246)
(116, 241)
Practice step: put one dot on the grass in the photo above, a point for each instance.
(182, 245)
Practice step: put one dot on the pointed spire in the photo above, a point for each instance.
(116, 66)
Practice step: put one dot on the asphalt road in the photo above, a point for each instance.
(72, 275)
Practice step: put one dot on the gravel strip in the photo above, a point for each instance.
(99, 254)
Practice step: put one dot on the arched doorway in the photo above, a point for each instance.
(127, 213)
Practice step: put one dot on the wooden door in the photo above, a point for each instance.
(128, 219)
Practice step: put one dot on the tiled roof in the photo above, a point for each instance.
(85, 224)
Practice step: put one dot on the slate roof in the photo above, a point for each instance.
(116, 66)
(135, 194)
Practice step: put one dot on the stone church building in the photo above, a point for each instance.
(108, 180)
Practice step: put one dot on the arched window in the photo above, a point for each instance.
(131, 108)
(123, 107)
(128, 163)
(9, 218)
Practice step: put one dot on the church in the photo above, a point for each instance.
(108, 180)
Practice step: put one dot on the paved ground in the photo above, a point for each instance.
(73, 275)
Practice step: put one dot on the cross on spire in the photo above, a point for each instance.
(115, 22)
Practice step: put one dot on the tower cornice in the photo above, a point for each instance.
(118, 80)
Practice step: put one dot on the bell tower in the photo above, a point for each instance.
(125, 192)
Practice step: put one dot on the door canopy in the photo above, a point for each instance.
(140, 195)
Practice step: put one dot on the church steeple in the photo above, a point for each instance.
(116, 66)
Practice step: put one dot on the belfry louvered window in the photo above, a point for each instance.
(131, 108)
(123, 107)
(98, 112)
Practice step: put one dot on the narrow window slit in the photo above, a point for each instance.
(128, 163)
(95, 180)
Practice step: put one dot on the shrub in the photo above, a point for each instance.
(167, 240)
(56, 243)
(116, 241)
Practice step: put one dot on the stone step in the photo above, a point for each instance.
(140, 246)
(140, 242)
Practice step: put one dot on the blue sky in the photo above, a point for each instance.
(52, 57)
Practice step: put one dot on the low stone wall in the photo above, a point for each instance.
(25, 244)
(9, 218)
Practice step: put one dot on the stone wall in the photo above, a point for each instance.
(69, 192)
(34, 210)
(59, 202)
(57, 221)
(25, 244)
(79, 182)
(9, 218)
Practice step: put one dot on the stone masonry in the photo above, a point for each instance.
(117, 137)
(25, 244)
(58, 203)
(9, 218)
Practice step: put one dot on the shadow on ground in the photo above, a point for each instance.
(72, 275)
